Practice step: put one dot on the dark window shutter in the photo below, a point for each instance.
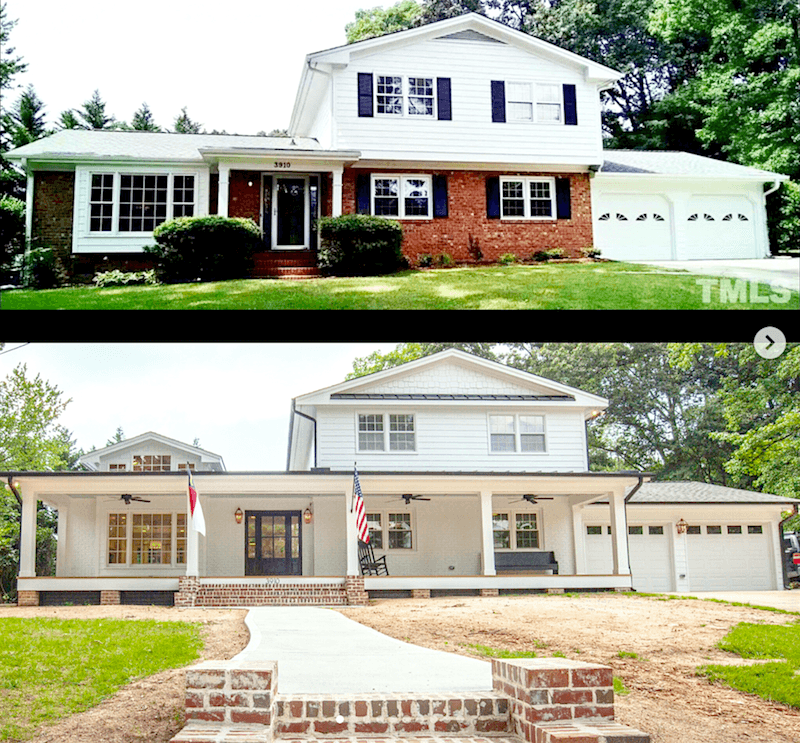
(493, 197)
(498, 101)
(445, 111)
(563, 205)
(440, 196)
(365, 94)
(570, 105)
(362, 194)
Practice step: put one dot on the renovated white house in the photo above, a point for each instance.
(475, 478)
(478, 138)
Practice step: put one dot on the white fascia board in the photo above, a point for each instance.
(476, 163)
(763, 177)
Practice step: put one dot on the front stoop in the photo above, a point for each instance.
(285, 264)
(549, 700)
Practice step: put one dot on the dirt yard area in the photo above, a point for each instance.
(669, 638)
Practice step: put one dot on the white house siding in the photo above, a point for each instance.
(177, 456)
(470, 136)
(681, 236)
(84, 241)
(80, 558)
(452, 438)
(693, 562)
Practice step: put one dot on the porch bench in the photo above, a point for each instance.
(524, 562)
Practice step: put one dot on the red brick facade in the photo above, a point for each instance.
(53, 198)
(468, 229)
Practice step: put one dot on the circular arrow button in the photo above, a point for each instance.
(769, 343)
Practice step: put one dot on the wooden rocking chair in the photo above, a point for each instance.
(371, 565)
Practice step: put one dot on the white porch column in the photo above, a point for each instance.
(61, 549)
(223, 190)
(619, 533)
(578, 538)
(192, 541)
(27, 544)
(336, 195)
(487, 535)
(351, 535)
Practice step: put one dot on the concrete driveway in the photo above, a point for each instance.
(786, 600)
(784, 272)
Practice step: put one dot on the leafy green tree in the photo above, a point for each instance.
(11, 65)
(143, 120)
(379, 21)
(406, 352)
(184, 125)
(25, 122)
(438, 10)
(93, 114)
(69, 120)
(119, 435)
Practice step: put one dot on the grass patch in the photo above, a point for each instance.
(51, 668)
(619, 688)
(486, 651)
(628, 654)
(776, 682)
(544, 286)
(665, 597)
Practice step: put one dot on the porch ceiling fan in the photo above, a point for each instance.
(408, 498)
(533, 499)
(127, 497)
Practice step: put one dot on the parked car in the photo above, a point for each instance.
(791, 555)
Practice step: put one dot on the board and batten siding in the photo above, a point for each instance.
(85, 241)
(452, 439)
(470, 136)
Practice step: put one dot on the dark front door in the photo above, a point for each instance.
(273, 543)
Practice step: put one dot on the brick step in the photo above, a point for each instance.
(285, 264)
(395, 716)
(264, 594)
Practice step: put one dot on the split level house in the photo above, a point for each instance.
(481, 140)
(475, 479)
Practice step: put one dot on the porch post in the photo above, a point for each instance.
(27, 541)
(336, 196)
(577, 534)
(619, 533)
(351, 535)
(487, 535)
(223, 190)
(192, 542)
(61, 548)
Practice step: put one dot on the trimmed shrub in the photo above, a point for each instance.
(360, 245)
(507, 259)
(12, 228)
(42, 269)
(205, 248)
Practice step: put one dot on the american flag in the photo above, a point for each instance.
(198, 521)
(361, 515)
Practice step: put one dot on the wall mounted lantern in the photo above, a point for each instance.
(238, 515)
(307, 515)
(681, 526)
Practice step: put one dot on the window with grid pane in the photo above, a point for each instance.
(501, 531)
(416, 197)
(152, 463)
(117, 538)
(420, 96)
(370, 432)
(401, 432)
(389, 95)
(375, 526)
(183, 196)
(400, 535)
(151, 539)
(527, 531)
(386, 197)
(101, 202)
(541, 200)
(531, 432)
(180, 539)
(142, 202)
(513, 199)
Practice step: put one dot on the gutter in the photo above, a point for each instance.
(295, 411)
(14, 490)
(775, 186)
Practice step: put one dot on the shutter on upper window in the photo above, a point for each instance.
(493, 197)
(362, 194)
(570, 105)
(445, 111)
(365, 94)
(563, 204)
(440, 196)
(498, 101)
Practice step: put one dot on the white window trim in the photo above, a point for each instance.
(117, 185)
(526, 181)
(534, 88)
(128, 564)
(401, 204)
(404, 96)
(386, 450)
(384, 512)
(512, 516)
(517, 441)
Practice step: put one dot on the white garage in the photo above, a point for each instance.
(650, 205)
(691, 536)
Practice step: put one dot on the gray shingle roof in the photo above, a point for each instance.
(701, 492)
(652, 162)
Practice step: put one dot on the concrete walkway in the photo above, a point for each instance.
(320, 651)
(786, 600)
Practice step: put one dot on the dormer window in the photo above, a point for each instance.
(386, 432)
(152, 463)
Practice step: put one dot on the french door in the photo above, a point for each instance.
(273, 543)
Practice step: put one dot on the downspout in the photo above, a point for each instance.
(295, 411)
(627, 498)
(791, 515)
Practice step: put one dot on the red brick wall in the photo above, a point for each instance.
(467, 224)
(53, 198)
(245, 200)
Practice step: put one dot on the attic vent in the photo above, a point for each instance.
(471, 36)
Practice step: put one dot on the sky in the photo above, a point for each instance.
(234, 398)
(235, 65)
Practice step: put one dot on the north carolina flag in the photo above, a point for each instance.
(361, 515)
(198, 521)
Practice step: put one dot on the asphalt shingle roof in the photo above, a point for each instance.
(701, 492)
(654, 162)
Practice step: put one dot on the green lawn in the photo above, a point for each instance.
(51, 668)
(541, 286)
(778, 681)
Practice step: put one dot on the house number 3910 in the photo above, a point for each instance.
(283, 165)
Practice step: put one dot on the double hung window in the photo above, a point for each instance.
(541, 103)
(386, 432)
(527, 198)
(402, 196)
(516, 433)
(393, 531)
(515, 531)
(396, 95)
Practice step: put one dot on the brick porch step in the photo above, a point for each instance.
(285, 264)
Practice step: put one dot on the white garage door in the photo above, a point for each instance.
(729, 557)
(720, 227)
(649, 550)
(629, 227)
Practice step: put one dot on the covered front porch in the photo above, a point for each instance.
(291, 537)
